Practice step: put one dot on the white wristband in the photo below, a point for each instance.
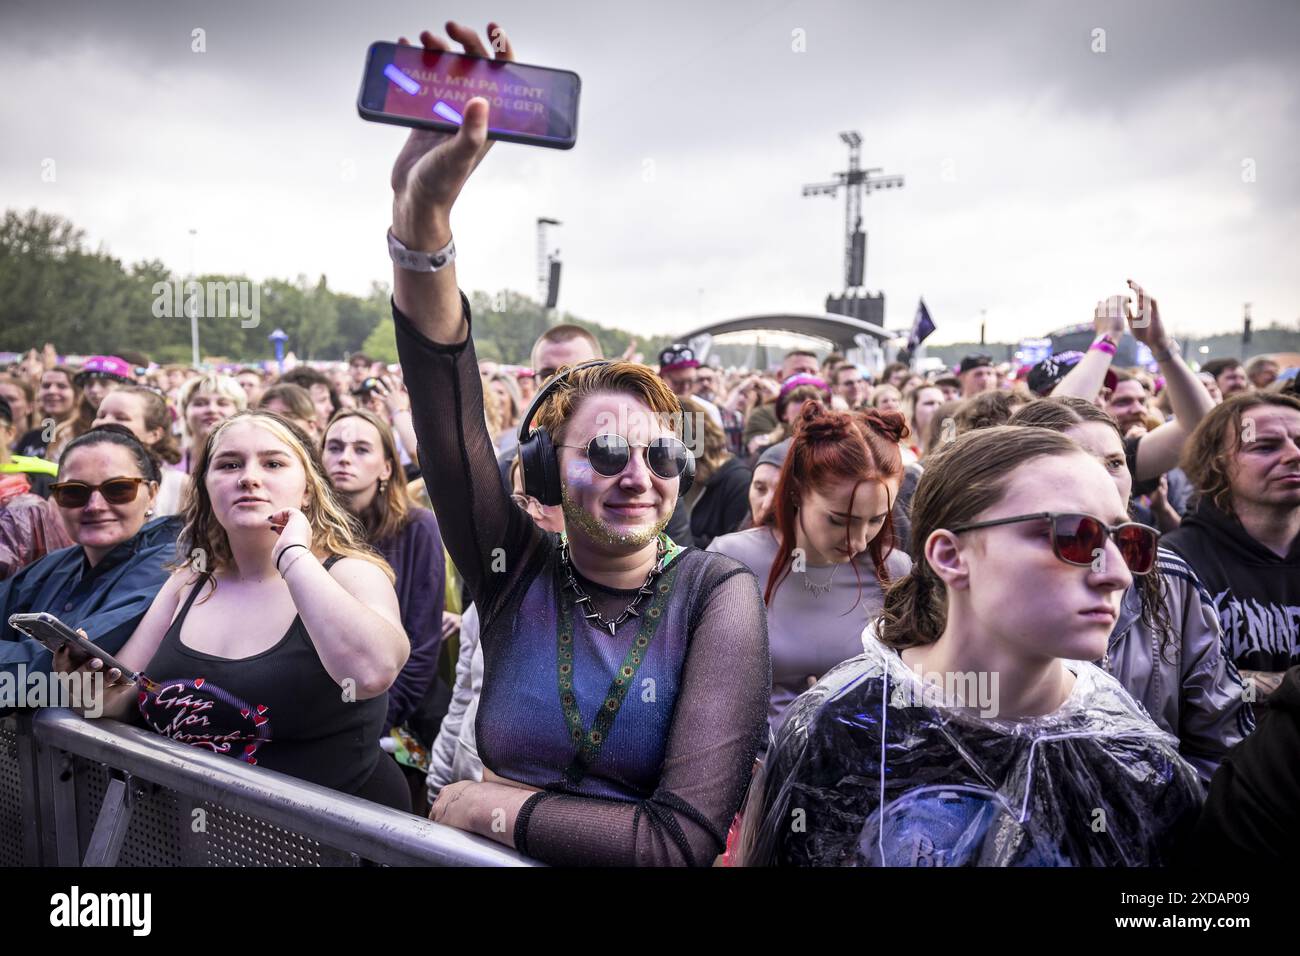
(421, 261)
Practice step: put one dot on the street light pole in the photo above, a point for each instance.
(194, 315)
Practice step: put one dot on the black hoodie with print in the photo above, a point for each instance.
(1255, 592)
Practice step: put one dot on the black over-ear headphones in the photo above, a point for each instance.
(537, 457)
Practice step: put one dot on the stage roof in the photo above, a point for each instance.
(839, 329)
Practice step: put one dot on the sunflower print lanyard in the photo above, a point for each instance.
(589, 742)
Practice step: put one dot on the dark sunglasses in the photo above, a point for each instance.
(609, 455)
(116, 491)
(1076, 538)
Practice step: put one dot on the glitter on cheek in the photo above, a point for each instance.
(578, 483)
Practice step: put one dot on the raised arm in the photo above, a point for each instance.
(1089, 373)
(429, 174)
(489, 538)
(1158, 451)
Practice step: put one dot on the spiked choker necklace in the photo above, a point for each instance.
(588, 607)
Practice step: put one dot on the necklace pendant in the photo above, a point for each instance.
(632, 611)
(582, 599)
(611, 625)
(817, 589)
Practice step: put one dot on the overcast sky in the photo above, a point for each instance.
(1039, 173)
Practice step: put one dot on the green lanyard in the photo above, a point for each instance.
(590, 741)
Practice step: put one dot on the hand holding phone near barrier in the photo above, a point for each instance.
(71, 649)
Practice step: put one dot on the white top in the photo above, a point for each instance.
(171, 492)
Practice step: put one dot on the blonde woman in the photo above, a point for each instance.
(205, 401)
(511, 403)
(277, 639)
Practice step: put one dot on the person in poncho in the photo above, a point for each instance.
(968, 733)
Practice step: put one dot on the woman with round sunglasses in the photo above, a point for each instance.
(970, 732)
(277, 638)
(625, 679)
(827, 556)
(106, 581)
(1166, 647)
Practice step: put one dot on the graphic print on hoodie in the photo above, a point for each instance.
(1255, 592)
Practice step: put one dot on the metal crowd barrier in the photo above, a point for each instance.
(76, 792)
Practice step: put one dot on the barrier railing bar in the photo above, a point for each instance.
(341, 821)
(34, 831)
(110, 826)
(61, 775)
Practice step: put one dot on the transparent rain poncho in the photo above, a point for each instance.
(870, 768)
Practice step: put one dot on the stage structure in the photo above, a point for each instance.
(548, 267)
(762, 339)
(855, 302)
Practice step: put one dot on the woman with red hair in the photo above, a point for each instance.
(832, 507)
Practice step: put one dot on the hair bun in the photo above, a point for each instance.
(889, 424)
(819, 423)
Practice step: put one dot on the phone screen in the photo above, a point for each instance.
(411, 86)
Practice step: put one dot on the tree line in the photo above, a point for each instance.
(87, 302)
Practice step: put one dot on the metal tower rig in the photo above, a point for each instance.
(857, 183)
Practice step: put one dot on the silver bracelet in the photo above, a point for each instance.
(417, 261)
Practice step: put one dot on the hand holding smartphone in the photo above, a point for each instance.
(429, 88)
(60, 639)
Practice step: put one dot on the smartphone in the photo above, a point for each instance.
(54, 634)
(366, 388)
(412, 86)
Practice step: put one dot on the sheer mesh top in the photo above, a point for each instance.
(673, 767)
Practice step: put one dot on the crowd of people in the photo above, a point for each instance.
(616, 613)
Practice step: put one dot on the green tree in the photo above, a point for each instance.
(359, 317)
(381, 344)
(52, 288)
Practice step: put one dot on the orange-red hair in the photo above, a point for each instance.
(830, 447)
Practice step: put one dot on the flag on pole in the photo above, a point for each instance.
(922, 326)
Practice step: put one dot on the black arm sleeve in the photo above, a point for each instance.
(720, 719)
(491, 541)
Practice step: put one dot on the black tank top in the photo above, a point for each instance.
(279, 709)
